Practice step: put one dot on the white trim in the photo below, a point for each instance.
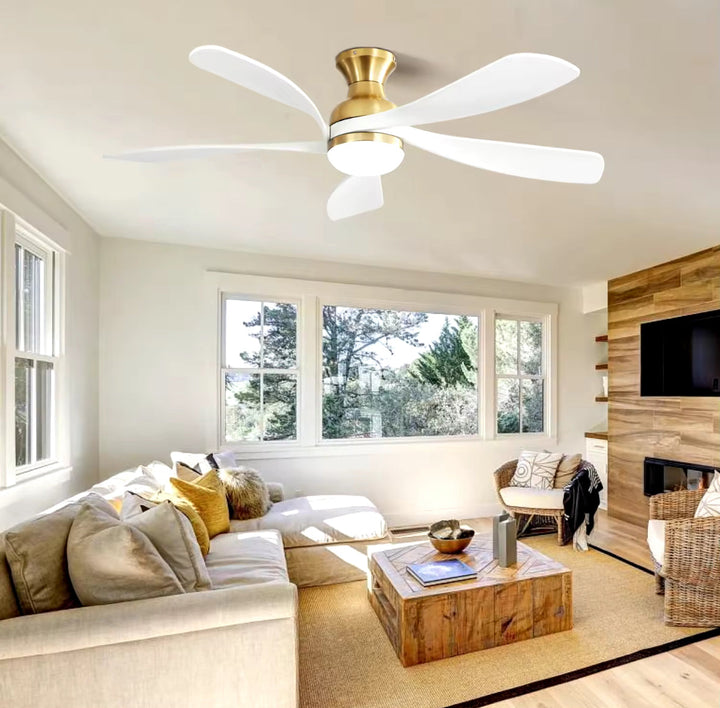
(311, 295)
(7, 348)
(50, 349)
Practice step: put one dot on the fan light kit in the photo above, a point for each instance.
(367, 133)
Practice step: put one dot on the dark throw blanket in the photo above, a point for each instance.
(580, 501)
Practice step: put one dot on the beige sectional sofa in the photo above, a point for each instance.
(233, 645)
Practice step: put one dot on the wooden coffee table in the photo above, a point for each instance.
(503, 605)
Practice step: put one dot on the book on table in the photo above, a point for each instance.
(437, 572)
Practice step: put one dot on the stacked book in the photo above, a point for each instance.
(438, 572)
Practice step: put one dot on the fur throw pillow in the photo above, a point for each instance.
(247, 494)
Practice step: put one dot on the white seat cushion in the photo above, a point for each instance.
(319, 520)
(246, 559)
(656, 539)
(532, 498)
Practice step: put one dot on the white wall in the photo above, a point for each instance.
(23, 191)
(157, 336)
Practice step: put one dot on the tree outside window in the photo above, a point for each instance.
(520, 375)
(260, 376)
(395, 374)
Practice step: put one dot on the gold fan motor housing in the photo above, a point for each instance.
(365, 69)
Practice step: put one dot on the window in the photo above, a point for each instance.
(395, 374)
(321, 368)
(520, 375)
(260, 370)
(32, 281)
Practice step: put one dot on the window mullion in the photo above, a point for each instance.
(19, 287)
(261, 373)
(520, 386)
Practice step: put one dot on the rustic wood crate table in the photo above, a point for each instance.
(502, 605)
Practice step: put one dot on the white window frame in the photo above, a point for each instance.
(14, 230)
(224, 368)
(311, 296)
(542, 376)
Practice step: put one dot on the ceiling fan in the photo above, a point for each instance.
(367, 132)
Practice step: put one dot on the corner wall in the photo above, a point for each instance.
(156, 335)
(24, 192)
(683, 429)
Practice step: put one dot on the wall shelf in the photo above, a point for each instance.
(601, 399)
(601, 367)
(601, 338)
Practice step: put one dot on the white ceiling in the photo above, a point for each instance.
(81, 78)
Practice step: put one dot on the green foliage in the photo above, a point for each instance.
(452, 359)
(518, 353)
(363, 395)
(278, 410)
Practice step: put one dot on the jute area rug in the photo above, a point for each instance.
(346, 659)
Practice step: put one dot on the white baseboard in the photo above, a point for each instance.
(425, 517)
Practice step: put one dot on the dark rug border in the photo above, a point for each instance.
(593, 668)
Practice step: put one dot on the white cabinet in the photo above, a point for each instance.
(596, 452)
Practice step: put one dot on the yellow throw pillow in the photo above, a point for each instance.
(207, 495)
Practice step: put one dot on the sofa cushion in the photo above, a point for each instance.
(138, 479)
(527, 497)
(207, 495)
(246, 559)
(656, 540)
(8, 601)
(36, 555)
(172, 535)
(110, 561)
(318, 520)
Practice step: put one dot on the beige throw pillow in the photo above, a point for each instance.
(536, 469)
(246, 492)
(35, 552)
(566, 470)
(710, 503)
(110, 561)
(172, 535)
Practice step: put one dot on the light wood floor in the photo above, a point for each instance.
(688, 677)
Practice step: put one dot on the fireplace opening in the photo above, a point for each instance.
(672, 476)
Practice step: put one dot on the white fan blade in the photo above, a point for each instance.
(532, 161)
(255, 76)
(185, 152)
(507, 81)
(355, 195)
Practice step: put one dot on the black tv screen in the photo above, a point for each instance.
(681, 356)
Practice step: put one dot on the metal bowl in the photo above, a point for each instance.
(451, 545)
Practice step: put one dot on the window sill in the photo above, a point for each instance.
(56, 472)
(394, 446)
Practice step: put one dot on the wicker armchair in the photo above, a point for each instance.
(689, 576)
(503, 475)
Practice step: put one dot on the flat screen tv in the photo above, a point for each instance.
(681, 356)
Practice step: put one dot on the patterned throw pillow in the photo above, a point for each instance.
(710, 502)
(536, 469)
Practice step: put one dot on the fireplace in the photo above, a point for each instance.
(671, 476)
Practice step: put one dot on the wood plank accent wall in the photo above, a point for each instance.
(686, 429)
